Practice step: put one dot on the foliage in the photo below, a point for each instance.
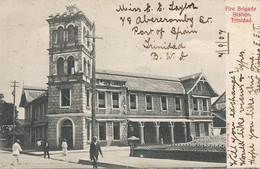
(6, 114)
(6, 121)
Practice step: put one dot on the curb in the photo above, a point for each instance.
(106, 165)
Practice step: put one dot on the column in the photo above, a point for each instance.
(157, 132)
(172, 132)
(185, 131)
(141, 125)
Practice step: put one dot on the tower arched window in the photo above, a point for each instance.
(71, 33)
(88, 69)
(71, 65)
(85, 66)
(60, 66)
(60, 34)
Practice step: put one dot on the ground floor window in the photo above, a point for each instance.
(102, 131)
(116, 127)
(197, 129)
(206, 126)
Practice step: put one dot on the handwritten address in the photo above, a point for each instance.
(161, 34)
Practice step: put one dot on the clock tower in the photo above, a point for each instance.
(69, 78)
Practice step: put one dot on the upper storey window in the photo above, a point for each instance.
(205, 105)
(60, 66)
(60, 33)
(149, 105)
(115, 97)
(101, 100)
(71, 67)
(133, 101)
(71, 33)
(164, 102)
(195, 104)
(178, 103)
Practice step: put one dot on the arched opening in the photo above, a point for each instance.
(60, 34)
(71, 67)
(60, 66)
(71, 33)
(85, 66)
(67, 132)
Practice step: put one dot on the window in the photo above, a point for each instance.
(164, 102)
(71, 33)
(65, 36)
(85, 66)
(54, 36)
(205, 105)
(116, 127)
(132, 101)
(195, 104)
(178, 103)
(102, 131)
(88, 42)
(149, 105)
(197, 129)
(60, 34)
(101, 100)
(60, 66)
(87, 92)
(115, 98)
(88, 68)
(65, 97)
(206, 127)
(71, 68)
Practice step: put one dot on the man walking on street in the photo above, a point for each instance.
(16, 152)
(94, 151)
(46, 148)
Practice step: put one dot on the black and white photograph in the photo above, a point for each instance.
(128, 84)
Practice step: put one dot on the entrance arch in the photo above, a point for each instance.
(66, 129)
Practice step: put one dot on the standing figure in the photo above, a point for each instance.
(64, 146)
(94, 151)
(46, 148)
(16, 152)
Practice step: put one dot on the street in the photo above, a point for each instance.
(33, 162)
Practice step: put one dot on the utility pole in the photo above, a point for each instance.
(93, 103)
(15, 84)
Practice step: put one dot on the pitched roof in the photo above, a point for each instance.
(190, 81)
(220, 103)
(145, 83)
(31, 93)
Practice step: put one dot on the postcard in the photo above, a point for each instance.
(138, 84)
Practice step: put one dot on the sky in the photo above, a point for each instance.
(24, 40)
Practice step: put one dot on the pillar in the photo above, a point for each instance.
(172, 132)
(141, 133)
(157, 132)
(185, 131)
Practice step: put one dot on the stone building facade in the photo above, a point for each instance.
(155, 109)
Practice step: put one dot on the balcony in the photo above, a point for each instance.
(68, 78)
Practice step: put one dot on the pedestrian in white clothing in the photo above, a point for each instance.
(64, 147)
(16, 151)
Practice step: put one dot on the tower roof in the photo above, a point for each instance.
(72, 13)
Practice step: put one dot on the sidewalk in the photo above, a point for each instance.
(118, 157)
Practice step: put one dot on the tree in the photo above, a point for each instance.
(6, 120)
